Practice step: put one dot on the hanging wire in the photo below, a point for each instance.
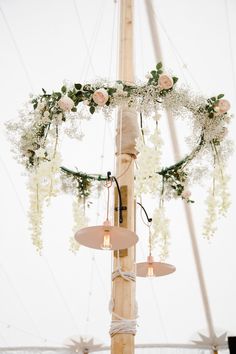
(148, 225)
(230, 46)
(175, 50)
(114, 22)
(155, 299)
(108, 185)
(3, 339)
(9, 325)
(88, 59)
(67, 307)
(90, 291)
(90, 48)
(19, 54)
(140, 27)
(27, 312)
(158, 308)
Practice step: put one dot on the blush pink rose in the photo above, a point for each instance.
(100, 97)
(223, 106)
(65, 103)
(165, 81)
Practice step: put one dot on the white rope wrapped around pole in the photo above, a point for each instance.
(121, 324)
(129, 276)
(124, 326)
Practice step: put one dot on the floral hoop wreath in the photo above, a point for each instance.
(36, 140)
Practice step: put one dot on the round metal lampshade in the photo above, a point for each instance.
(120, 238)
(159, 269)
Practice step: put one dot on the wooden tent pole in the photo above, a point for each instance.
(123, 291)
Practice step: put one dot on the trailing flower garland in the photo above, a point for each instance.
(36, 137)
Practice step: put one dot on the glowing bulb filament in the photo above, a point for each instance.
(106, 245)
(150, 272)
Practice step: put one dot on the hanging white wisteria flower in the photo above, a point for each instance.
(48, 116)
(43, 184)
(209, 227)
(80, 221)
(218, 202)
(160, 235)
(147, 180)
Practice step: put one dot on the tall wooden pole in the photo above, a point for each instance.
(123, 291)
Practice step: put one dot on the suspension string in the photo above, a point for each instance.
(17, 49)
(150, 241)
(124, 172)
(112, 39)
(230, 46)
(175, 50)
(91, 281)
(108, 200)
(108, 185)
(120, 138)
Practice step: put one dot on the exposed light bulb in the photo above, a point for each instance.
(106, 245)
(150, 272)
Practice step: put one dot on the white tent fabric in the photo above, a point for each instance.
(44, 300)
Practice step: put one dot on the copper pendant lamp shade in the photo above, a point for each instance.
(106, 237)
(150, 268)
(153, 269)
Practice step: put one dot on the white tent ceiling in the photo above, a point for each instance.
(44, 300)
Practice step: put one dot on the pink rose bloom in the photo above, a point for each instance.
(185, 194)
(223, 106)
(165, 81)
(100, 97)
(65, 103)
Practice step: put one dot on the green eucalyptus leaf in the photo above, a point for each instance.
(111, 91)
(175, 79)
(58, 95)
(63, 89)
(78, 86)
(220, 96)
(159, 66)
(154, 73)
(92, 109)
(78, 94)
